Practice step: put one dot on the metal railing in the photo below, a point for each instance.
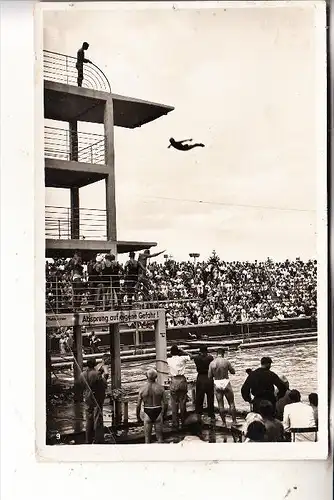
(62, 223)
(62, 68)
(61, 144)
(96, 293)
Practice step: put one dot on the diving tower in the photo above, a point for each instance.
(74, 159)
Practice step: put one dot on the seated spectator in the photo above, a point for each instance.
(313, 400)
(274, 428)
(193, 429)
(250, 418)
(198, 293)
(255, 433)
(298, 415)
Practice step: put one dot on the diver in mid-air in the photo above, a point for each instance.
(184, 147)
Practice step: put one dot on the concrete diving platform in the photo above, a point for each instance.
(57, 248)
(68, 103)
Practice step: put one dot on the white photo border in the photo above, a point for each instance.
(214, 452)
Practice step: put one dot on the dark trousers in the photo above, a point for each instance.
(80, 74)
(178, 395)
(78, 288)
(204, 386)
(265, 397)
(130, 288)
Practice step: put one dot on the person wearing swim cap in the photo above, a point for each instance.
(153, 396)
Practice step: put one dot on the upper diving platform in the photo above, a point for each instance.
(65, 101)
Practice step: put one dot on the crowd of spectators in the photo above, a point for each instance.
(212, 291)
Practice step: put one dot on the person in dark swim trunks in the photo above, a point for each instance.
(154, 398)
(181, 146)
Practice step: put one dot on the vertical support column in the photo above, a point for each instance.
(77, 353)
(115, 360)
(73, 141)
(161, 347)
(75, 215)
(110, 163)
(75, 205)
(137, 338)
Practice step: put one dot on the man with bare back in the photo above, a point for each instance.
(219, 370)
(153, 396)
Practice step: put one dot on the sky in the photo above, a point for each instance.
(242, 82)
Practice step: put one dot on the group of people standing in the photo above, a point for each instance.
(108, 283)
(212, 378)
(275, 410)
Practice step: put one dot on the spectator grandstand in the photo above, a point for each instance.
(212, 291)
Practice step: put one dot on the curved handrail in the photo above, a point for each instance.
(62, 68)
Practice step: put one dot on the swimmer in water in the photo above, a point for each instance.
(181, 146)
(153, 396)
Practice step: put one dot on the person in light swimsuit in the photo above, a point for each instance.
(219, 370)
(153, 396)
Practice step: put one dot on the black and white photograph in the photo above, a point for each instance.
(185, 266)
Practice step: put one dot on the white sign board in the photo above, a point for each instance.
(59, 320)
(108, 318)
(101, 318)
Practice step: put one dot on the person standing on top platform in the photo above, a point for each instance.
(131, 276)
(153, 396)
(261, 384)
(204, 384)
(94, 385)
(80, 62)
(142, 271)
(219, 370)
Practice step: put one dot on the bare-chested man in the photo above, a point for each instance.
(142, 270)
(181, 146)
(153, 396)
(219, 370)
